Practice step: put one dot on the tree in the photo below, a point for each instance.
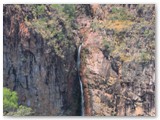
(10, 104)
(9, 100)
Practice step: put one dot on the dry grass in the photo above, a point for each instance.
(117, 25)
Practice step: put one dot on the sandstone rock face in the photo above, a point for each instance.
(117, 58)
(44, 81)
(117, 81)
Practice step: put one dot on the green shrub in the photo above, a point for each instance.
(57, 7)
(70, 10)
(23, 111)
(55, 24)
(37, 10)
(106, 45)
(40, 9)
(120, 14)
(9, 100)
(10, 104)
(145, 56)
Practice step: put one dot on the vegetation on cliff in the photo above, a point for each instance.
(117, 69)
(127, 30)
(10, 104)
(55, 23)
(39, 64)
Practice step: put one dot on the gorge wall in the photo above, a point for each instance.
(45, 81)
(118, 62)
(117, 58)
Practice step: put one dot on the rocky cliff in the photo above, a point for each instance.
(118, 62)
(117, 58)
(44, 75)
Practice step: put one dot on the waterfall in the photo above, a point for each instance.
(81, 85)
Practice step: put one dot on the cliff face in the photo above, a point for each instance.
(117, 58)
(118, 62)
(45, 81)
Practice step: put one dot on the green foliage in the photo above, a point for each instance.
(23, 111)
(37, 10)
(84, 54)
(9, 100)
(120, 14)
(57, 7)
(10, 104)
(106, 46)
(66, 9)
(146, 32)
(94, 26)
(40, 9)
(115, 10)
(70, 10)
(55, 24)
(145, 56)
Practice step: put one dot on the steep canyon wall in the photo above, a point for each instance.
(44, 81)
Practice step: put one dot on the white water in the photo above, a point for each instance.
(81, 85)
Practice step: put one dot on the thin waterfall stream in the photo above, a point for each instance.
(81, 85)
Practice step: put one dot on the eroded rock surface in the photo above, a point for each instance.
(44, 81)
(117, 58)
(117, 81)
